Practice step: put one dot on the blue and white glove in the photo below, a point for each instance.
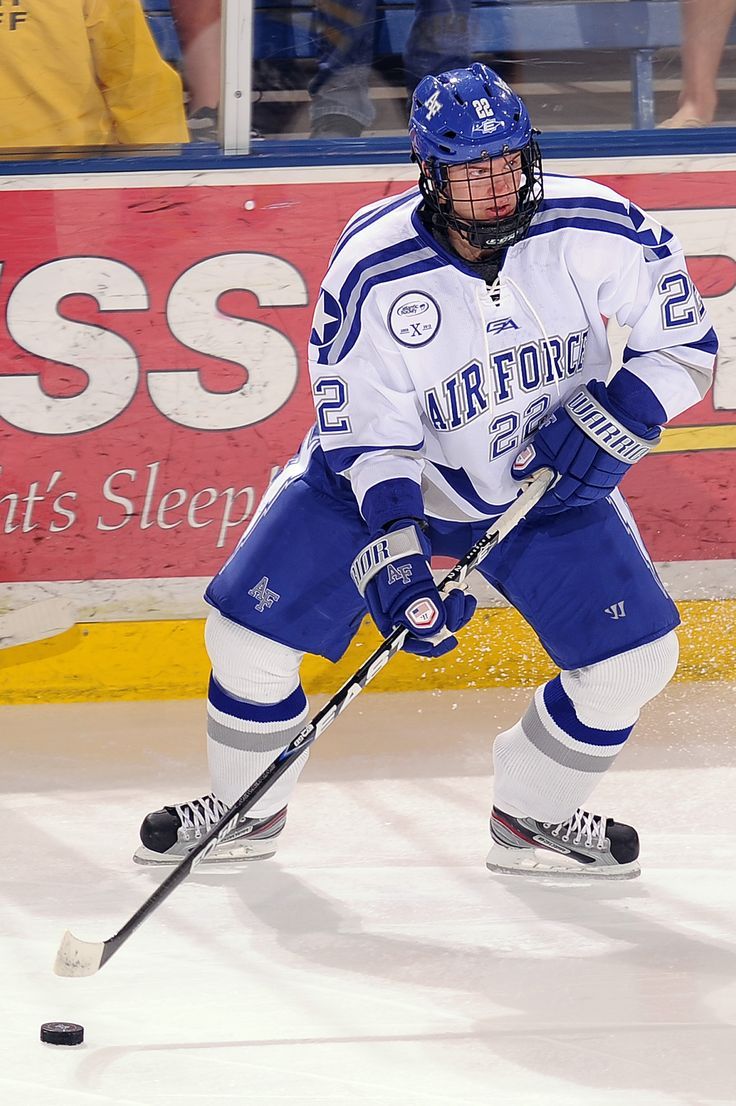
(590, 443)
(392, 573)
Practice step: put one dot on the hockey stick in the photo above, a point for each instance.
(43, 619)
(79, 958)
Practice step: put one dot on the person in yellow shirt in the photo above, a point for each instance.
(84, 73)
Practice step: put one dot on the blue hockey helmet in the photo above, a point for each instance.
(467, 116)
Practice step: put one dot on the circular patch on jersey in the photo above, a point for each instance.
(328, 318)
(414, 319)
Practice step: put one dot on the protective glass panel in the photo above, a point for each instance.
(80, 76)
(346, 68)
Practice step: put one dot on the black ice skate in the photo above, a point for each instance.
(585, 845)
(167, 835)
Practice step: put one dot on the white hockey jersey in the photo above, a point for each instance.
(419, 371)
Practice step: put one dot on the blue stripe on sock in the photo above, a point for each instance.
(561, 709)
(285, 711)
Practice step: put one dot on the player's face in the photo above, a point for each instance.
(485, 190)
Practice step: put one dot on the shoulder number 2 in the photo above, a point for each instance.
(682, 304)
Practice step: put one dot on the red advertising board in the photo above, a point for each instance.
(152, 369)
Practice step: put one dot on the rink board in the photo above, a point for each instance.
(167, 659)
(153, 330)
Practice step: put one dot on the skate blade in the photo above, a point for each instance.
(534, 868)
(149, 859)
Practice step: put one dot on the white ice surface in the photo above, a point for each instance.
(375, 960)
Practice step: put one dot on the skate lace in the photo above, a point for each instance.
(588, 829)
(200, 815)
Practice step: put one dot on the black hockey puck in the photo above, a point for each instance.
(62, 1033)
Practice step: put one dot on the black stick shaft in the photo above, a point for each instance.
(326, 716)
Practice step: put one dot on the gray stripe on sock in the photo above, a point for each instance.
(541, 738)
(253, 742)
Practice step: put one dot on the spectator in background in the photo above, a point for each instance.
(705, 27)
(84, 73)
(199, 28)
(341, 107)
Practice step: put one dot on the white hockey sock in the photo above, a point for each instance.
(529, 783)
(547, 764)
(243, 738)
(255, 708)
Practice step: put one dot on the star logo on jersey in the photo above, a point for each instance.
(327, 320)
(263, 593)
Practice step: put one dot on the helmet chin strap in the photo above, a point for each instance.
(489, 237)
(490, 259)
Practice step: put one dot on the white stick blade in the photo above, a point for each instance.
(78, 958)
(37, 621)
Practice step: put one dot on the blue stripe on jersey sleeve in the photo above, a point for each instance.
(413, 269)
(354, 227)
(707, 344)
(579, 223)
(638, 218)
(657, 253)
(340, 460)
(592, 214)
(582, 203)
(378, 260)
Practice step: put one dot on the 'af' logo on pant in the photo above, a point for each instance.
(263, 593)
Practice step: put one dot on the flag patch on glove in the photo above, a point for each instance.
(527, 455)
(422, 614)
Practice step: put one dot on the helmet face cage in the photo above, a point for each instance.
(474, 202)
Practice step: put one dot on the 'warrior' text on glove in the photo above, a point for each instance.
(588, 445)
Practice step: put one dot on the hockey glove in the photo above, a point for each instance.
(590, 443)
(393, 575)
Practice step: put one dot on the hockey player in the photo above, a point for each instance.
(458, 345)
